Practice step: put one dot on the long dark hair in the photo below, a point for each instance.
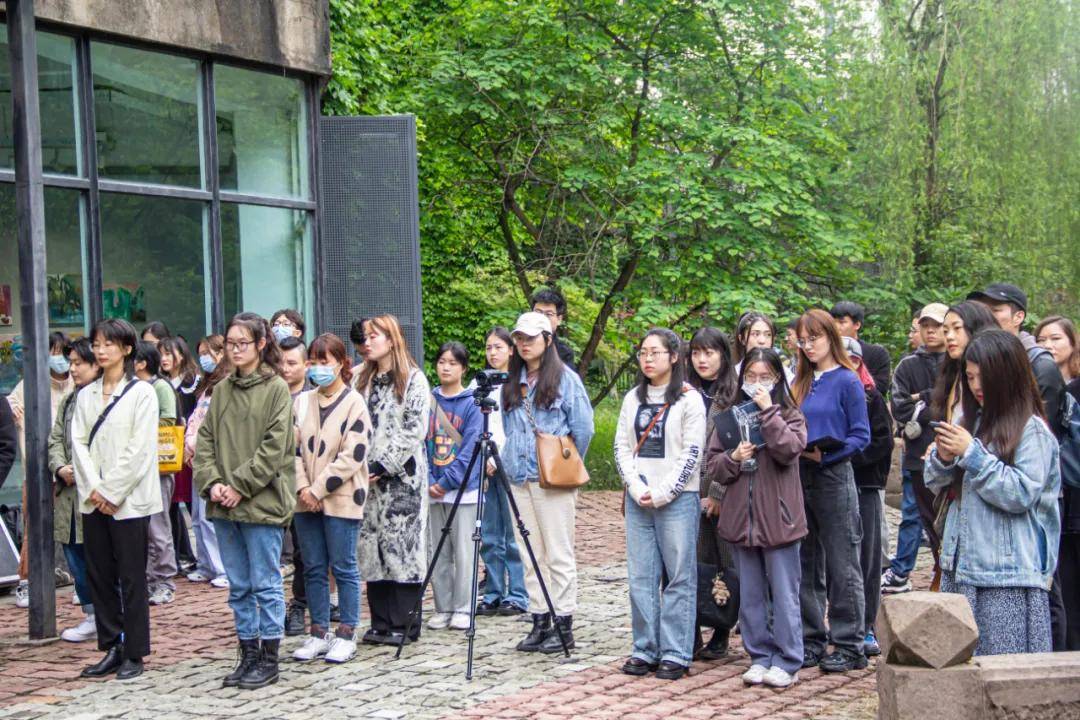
(260, 330)
(674, 345)
(120, 333)
(781, 393)
(742, 331)
(1010, 393)
(188, 369)
(976, 318)
(711, 338)
(1069, 330)
(548, 380)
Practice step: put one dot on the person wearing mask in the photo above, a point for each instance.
(245, 468)
(871, 468)
(161, 565)
(550, 303)
(833, 402)
(544, 395)
(658, 451)
(60, 384)
(181, 370)
(67, 520)
(849, 318)
(711, 372)
(211, 351)
(114, 456)
(1009, 479)
(331, 490)
(287, 323)
(455, 425)
(392, 547)
(504, 584)
(913, 383)
(763, 517)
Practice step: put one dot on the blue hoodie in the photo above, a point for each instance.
(447, 460)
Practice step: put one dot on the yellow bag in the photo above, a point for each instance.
(170, 449)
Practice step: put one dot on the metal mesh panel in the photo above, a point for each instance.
(369, 224)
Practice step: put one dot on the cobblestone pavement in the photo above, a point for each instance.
(193, 648)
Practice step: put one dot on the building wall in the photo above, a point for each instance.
(293, 34)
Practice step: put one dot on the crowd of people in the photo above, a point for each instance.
(348, 469)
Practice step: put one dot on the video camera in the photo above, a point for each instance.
(488, 380)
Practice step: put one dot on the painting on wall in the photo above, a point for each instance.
(6, 319)
(66, 300)
(126, 302)
(11, 352)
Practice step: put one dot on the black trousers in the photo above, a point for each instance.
(390, 604)
(299, 590)
(870, 552)
(924, 499)
(181, 536)
(1069, 575)
(116, 556)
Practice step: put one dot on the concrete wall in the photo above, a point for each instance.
(293, 34)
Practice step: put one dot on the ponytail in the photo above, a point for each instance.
(259, 327)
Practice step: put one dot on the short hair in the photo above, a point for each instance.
(357, 336)
(57, 338)
(84, 349)
(292, 316)
(156, 328)
(456, 350)
(329, 345)
(147, 352)
(119, 332)
(847, 308)
(294, 343)
(549, 296)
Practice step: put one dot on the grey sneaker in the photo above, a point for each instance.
(161, 596)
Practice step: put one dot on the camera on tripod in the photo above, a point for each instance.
(488, 380)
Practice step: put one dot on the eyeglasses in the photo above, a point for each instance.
(239, 346)
(549, 314)
(650, 354)
(808, 341)
(285, 324)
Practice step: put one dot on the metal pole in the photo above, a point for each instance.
(30, 223)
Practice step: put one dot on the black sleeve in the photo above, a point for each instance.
(1073, 388)
(566, 354)
(881, 432)
(8, 439)
(1052, 389)
(879, 365)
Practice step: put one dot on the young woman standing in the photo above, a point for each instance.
(833, 402)
(762, 516)
(393, 557)
(962, 323)
(658, 450)
(543, 395)
(211, 352)
(245, 468)
(1058, 335)
(754, 330)
(182, 372)
(1008, 460)
(114, 454)
(331, 490)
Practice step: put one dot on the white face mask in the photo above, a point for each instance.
(750, 389)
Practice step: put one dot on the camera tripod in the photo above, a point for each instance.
(483, 449)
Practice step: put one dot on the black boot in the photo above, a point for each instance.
(109, 664)
(265, 671)
(294, 620)
(247, 656)
(540, 629)
(717, 647)
(553, 644)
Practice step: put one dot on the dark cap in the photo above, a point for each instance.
(1001, 293)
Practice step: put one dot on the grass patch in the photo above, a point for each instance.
(600, 462)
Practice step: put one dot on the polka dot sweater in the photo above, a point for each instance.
(331, 451)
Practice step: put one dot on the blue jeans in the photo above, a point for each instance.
(909, 536)
(329, 543)
(76, 560)
(505, 573)
(250, 553)
(662, 539)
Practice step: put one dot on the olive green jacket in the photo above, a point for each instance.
(66, 502)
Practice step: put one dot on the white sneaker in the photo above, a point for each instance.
(341, 650)
(22, 594)
(221, 581)
(75, 598)
(755, 675)
(459, 621)
(161, 596)
(439, 621)
(312, 648)
(86, 630)
(779, 678)
(197, 577)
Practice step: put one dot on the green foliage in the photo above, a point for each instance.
(600, 460)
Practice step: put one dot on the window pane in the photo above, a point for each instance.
(266, 259)
(56, 99)
(147, 113)
(152, 262)
(262, 130)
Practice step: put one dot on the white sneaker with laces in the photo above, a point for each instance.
(459, 621)
(161, 596)
(86, 630)
(312, 648)
(221, 581)
(341, 650)
(75, 598)
(22, 594)
(779, 678)
(755, 675)
(439, 621)
(197, 577)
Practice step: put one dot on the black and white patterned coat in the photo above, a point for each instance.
(392, 538)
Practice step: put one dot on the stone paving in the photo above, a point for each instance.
(193, 648)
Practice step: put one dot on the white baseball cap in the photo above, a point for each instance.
(532, 324)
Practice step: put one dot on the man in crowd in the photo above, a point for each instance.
(849, 317)
(551, 304)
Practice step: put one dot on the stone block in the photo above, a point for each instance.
(916, 693)
(926, 629)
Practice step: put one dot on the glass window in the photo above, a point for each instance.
(262, 132)
(57, 102)
(266, 259)
(152, 262)
(147, 112)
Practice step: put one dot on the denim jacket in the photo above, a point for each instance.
(571, 414)
(1004, 530)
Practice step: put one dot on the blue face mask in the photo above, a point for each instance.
(322, 375)
(281, 332)
(59, 364)
(206, 362)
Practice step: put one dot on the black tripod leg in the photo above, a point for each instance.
(434, 559)
(481, 450)
(500, 478)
